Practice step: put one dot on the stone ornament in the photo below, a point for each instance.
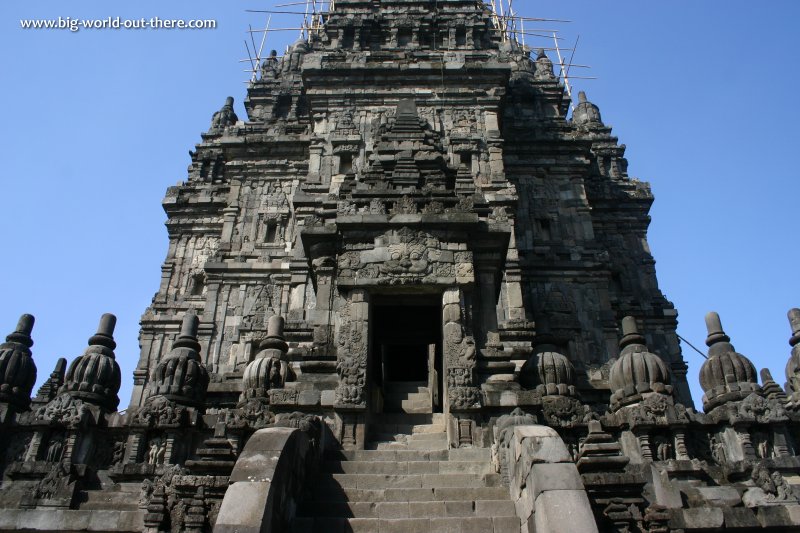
(269, 370)
(17, 369)
(181, 377)
(224, 117)
(94, 377)
(637, 371)
(586, 114)
(726, 375)
(405, 257)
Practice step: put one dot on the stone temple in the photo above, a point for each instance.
(409, 292)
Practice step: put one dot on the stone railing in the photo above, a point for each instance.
(544, 482)
(269, 478)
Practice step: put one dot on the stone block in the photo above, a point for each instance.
(244, 508)
(724, 496)
(308, 398)
(387, 510)
(445, 525)
(563, 511)
(776, 516)
(740, 518)
(559, 476)
(476, 525)
(463, 508)
(426, 509)
(506, 524)
(494, 508)
(406, 525)
(362, 525)
(541, 445)
(703, 518)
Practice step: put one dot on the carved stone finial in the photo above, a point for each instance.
(22, 334)
(543, 67)
(224, 117)
(188, 335)
(275, 326)
(275, 340)
(49, 389)
(726, 375)
(105, 333)
(95, 376)
(637, 371)
(630, 333)
(771, 389)
(269, 369)
(586, 113)
(17, 369)
(794, 320)
(181, 377)
(715, 332)
(793, 364)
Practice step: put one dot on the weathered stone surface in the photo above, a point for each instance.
(563, 511)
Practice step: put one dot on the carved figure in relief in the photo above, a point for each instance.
(54, 450)
(157, 451)
(406, 258)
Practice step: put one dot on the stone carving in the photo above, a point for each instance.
(770, 488)
(544, 67)
(55, 481)
(17, 369)
(562, 411)
(55, 449)
(159, 411)
(404, 257)
(377, 207)
(224, 117)
(155, 454)
(64, 410)
(181, 377)
(404, 206)
(726, 375)
(637, 371)
(352, 361)
(462, 398)
(253, 413)
(586, 113)
(94, 377)
(503, 433)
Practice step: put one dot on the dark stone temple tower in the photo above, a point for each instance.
(408, 292)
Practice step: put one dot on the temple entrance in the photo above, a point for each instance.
(406, 353)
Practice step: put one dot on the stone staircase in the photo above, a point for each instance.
(408, 482)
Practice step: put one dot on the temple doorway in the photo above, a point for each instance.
(406, 353)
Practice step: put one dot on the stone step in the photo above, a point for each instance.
(400, 387)
(407, 467)
(414, 509)
(410, 418)
(423, 445)
(500, 524)
(338, 493)
(408, 429)
(407, 481)
(458, 454)
(100, 500)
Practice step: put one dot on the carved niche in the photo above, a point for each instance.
(404, 257)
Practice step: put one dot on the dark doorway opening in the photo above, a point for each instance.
(406, 354)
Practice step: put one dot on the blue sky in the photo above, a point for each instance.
(97, 124)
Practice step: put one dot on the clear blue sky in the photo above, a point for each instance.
(97, 124)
